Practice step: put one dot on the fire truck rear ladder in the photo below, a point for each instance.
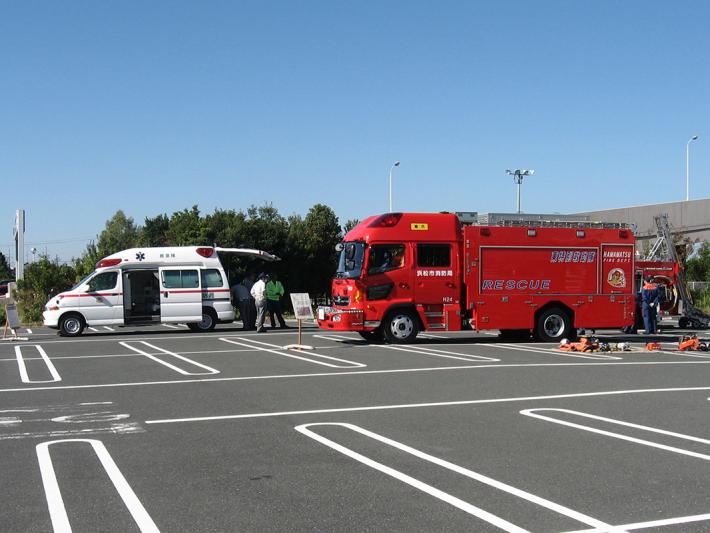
(663, 248)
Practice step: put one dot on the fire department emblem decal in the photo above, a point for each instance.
(617, 278)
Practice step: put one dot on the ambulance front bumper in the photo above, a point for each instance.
(335, 319)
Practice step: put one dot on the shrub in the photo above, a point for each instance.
(41, 280)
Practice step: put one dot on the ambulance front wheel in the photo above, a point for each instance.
(553, 325)
(208, 322)
(71, 325)
(400, 327)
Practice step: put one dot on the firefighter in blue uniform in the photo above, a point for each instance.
(649, 304)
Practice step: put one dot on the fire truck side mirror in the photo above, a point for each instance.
(339, 247)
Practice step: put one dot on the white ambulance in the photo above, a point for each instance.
(144, 286)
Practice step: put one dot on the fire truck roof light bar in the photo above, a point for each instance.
(388, 220)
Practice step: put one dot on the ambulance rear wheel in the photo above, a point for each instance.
(208, 322)
(400, 327)
(71, 325)
(553, 325)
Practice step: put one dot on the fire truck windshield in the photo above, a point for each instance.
(350, 263)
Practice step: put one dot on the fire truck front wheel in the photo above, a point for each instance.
(553, 325)
(400, 327)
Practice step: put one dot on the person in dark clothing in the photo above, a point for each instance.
(650, 300)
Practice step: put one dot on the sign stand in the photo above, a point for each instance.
(12, 323)
(303, 311)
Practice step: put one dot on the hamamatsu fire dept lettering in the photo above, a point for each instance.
(402, 273)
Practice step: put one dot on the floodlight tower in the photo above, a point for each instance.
(395, 164)
(687, 166)
(518, 175)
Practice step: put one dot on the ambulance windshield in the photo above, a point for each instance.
(350, 264)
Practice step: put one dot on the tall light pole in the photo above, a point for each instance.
(687, 166)
(396, 164)
(518, 175)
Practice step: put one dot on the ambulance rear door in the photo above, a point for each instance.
(180, 294)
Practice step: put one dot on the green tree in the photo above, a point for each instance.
(119, 234)
(350, 224)
(311, 251)
(42, 279)
(186, 228)
(154, 231)
(697, 268)
(5, 272)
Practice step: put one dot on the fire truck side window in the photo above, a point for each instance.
(384, 257)
(433, 255)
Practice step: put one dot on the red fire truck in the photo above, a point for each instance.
(402, 273)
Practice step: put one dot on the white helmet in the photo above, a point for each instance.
(564, 342)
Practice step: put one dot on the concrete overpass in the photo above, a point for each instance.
(691, 218)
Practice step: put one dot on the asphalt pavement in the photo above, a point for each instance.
(164, 429)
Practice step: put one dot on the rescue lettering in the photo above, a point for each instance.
(516, 284)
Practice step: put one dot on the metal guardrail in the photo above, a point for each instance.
(698, 285)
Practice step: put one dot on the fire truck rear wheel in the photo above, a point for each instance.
(401, 327)
(683, 322)
(553, 325)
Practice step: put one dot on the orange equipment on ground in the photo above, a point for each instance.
(585, 344)
(689, 343)
(654, 347)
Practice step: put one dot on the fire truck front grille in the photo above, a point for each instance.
(341, 301)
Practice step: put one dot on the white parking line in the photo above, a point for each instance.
(359, 373)
(92, 329)
(338, 338)
(108, 328)
(448, 498)
(421, 405)
(23, 369)
(278, 350)
(534, 413)
(684, 354)
(169, 326)
(55, 503)
(28, 330)
(421, 350)
(431, 336)
(653, 523)
(209, 369)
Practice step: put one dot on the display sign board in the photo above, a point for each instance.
(301, 302)
(13, 321)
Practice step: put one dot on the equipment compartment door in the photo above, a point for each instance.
(180, 295)
(436, 274)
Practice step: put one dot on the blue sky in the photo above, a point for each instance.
(152, 107)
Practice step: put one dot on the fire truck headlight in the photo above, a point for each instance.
(358, 296)
(336, 318)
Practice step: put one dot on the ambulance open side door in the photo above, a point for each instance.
(180, 294)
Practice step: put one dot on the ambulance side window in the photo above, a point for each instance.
(211, 278)
(384, 257)
(180, 279)
(103, 282)
(433, 255)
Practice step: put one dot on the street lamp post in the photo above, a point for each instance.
(518, 175)
(687, 166)
(396, 164)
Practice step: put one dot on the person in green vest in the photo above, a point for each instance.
(274, 294)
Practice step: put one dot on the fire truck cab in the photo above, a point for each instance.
(402, 273)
